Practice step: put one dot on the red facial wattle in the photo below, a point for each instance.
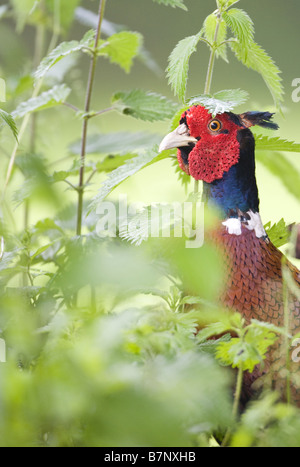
(214, 153)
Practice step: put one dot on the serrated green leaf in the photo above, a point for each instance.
(156, 218)
(210, 346)
(266, 143)
(213, 329)
(172, 3)
(255, 57)
(119, 143)
(268, 327)
(9, 121)
(116, 177)
(249, 350)
(111, 162)
(62, 50)
(278, 233)
(47, 99)
(144, 105)
(177, 70)
(282, 168)
(222, 101)
(240, 24)
(121, 48)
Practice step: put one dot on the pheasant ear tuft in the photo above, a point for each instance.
(262, 119)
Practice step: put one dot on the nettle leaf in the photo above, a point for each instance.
(112, 162)
(278, 233)
(51, 98)
(251, 54)
(256, 58)
(8, 120)
(249, 350)
(178, 68)
(119, 143)
(275, 144)
(144, 105)
(71, 172)
(222, 101)
(172, 3)
(131, 167)
(62, 50)
(282, 168)
(156, 219)
(121, 48)
(240, 24)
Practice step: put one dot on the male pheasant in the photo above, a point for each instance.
(220, 151)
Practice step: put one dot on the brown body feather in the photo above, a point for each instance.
(254, 287)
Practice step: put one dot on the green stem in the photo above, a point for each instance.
(89, 90)
(212, 58)
(238, 392)
(38, 54)
(35, 93)
(236, 402)
(207, 88)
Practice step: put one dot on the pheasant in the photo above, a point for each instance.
(220, 151)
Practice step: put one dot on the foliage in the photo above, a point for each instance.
(102, 337)
(214, 33)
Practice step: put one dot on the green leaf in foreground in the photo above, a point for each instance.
(240, 24)
(172, 3)
(278, 233)
(144, 105)
(275, 144)
(9, 121)
(131, 167)
(249, 350)
(256, 58)
(121, 48)
(178, 68)
(222, 101)
(62, 50)
(55, 96)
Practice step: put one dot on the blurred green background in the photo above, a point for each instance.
(277, 30)
(102, 360)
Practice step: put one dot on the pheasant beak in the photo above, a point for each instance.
(177, 139)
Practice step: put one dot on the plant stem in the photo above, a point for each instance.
(35, 93)
(212, 59)
(207, 88)
(238, 392)
(86, 120)
(38, 54)
(235, 409)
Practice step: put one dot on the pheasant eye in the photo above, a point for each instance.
(215, 125)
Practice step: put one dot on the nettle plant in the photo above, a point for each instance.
(141, 376)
